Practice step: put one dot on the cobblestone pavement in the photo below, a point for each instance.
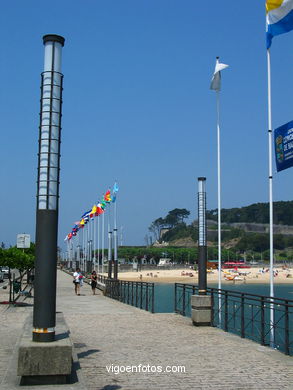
(11, 325)
(107, 334)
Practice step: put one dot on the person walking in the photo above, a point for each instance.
(94, 279)
(77, 280)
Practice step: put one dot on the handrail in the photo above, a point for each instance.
(237, 294)
(138, 294)
(245, 314)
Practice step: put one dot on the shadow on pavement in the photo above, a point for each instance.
(87, 353)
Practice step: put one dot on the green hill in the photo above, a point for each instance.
(256, 213)
(244, 229)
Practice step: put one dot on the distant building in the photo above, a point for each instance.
(163, 262)
(163, 231)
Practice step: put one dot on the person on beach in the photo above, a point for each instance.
(77, 280)
(94, 279)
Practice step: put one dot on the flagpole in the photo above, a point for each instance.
(67, 254)
(81, 252)
(103, 240)
(115, 243)
(98, 244)
(94, 222)
(70, 255)
(73, 252)
(88, 230)
(77, 248)
(83, 247)
(78, 251)
(219, 205)
(92, 245)
(270, 131)
(87, 246)
(109, 245)
(216, 86)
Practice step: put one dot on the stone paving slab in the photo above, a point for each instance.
(107, 333)
(12, 322)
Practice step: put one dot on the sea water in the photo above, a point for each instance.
(165, 293)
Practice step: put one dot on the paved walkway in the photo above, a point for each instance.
(108, 334)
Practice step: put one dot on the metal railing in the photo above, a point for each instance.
(138, 294)
(20, 286)
(247, 315)
(102, 279)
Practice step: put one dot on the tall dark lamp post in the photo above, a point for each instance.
(115, 238)
(202, 235)
(44, 314)
(201, 304)
(110, 255)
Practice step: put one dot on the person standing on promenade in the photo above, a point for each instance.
(94, 279)
(77, 280)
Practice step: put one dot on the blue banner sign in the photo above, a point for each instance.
(284, 146)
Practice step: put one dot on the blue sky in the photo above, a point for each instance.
(138, 109)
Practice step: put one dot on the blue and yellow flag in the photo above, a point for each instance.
(279, 18)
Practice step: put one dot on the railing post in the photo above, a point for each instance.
(132, 293)
(128, 293)
(141, 294)
(147, 297)
(136, 293)
(12, 285)
(122, 291)
(242, 317)
(286, 329)
(175, 299)
(109, 289)
(153, 297)
(183, 300)
(226, 312)
(212, 307)
(262, 319)
(13, 280)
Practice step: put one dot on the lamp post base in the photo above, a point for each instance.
(45, 335)
(201, 310)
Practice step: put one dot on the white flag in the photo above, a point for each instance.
(216, 80)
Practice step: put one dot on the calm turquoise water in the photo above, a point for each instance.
(164, 293)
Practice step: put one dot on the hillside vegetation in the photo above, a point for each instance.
(256, 213)
(238, 230)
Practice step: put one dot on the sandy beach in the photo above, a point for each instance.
(247, 275)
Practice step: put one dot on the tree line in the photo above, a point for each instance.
(15, 258)
(256, 213)
(173, 219)
(190, 255)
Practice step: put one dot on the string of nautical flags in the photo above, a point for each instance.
(97, 209)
